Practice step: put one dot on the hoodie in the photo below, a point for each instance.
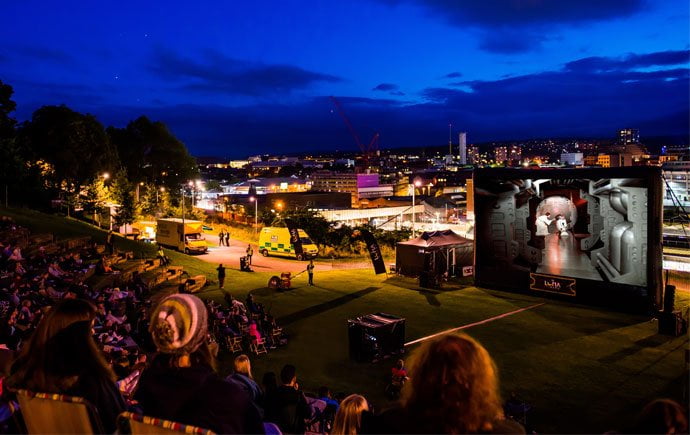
(197, 396)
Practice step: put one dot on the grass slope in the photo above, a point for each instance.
(585, 370)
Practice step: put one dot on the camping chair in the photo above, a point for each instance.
(131, 423)
(258, 346)
(57, 413)
(234, 343)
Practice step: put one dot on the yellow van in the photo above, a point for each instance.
(276, 241)
(169, 233)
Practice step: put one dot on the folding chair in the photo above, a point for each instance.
(130, 423)
(258, 346)
(56, 413)
(234, 343)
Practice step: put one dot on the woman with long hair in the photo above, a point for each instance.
(181, 384)
(243, 377)
(454, 390)
(348, 419)
(62, 357)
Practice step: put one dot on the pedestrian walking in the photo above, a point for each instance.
(310, 271)
(221, 275)
(250, 252)
(220, 238)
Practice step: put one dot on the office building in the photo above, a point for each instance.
(572, 159)
(629, 135)
(462, 147)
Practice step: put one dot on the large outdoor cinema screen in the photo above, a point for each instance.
(588, 234)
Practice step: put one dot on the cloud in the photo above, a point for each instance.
(504, 41)
(453, 75)
(563, 102)
(661, 58)
(385, 87)
(38, 53)
(527, 12)
(513, 26)
(216, 72)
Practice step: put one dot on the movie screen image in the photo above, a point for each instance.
(586, 229)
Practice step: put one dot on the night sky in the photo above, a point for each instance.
(235, 78)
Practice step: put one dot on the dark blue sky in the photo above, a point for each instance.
(234, 78)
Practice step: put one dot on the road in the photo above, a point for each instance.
(230, 257)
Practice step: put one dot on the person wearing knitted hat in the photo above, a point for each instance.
(181, 383)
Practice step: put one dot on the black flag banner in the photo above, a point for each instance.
(374, 251)
(294, 236)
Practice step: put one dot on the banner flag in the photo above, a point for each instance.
(374, 251)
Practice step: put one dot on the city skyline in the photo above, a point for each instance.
(228, 78)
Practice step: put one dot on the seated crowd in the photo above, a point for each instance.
(120, 353)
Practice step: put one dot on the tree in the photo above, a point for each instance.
(73, 144)
(312, 223)
(95, 198)
(150, 199)
(151, 153)
(122, 193)
(7, 106)
(126, 213)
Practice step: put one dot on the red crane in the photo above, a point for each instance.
(367, 151)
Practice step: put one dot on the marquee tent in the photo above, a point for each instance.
(437, 252)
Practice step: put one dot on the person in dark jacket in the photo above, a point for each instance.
(181, 384)
(243, 377)
(61, 357)
(288, 408)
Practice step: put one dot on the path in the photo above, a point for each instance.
(230, 257)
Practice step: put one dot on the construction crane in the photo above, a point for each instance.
(369, 150)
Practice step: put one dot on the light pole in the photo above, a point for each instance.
(256, 211)
(416, 184)
(183, 238)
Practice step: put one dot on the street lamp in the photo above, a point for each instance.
(416, 184)
(256, 211)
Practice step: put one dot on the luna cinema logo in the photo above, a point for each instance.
(552, 284)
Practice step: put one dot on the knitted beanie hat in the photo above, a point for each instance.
(179, 324)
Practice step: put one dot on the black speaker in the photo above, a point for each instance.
(672, 323)
(669, 298)
(375, 336)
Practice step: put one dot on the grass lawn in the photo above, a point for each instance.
(583, 369)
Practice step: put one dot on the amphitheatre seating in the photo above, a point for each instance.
(195, 283)
(150, 264)
(40, 239)
(130, 423)
(75, 243)
(56, 413)
(168, 274)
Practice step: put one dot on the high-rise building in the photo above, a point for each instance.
(629, 135)
(501, 154)
(473, 155)
(462, 147)
(515, 153)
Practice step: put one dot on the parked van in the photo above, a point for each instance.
(169, 234)
(276, 241)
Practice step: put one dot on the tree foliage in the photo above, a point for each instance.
(75, 145)
(151, 153)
